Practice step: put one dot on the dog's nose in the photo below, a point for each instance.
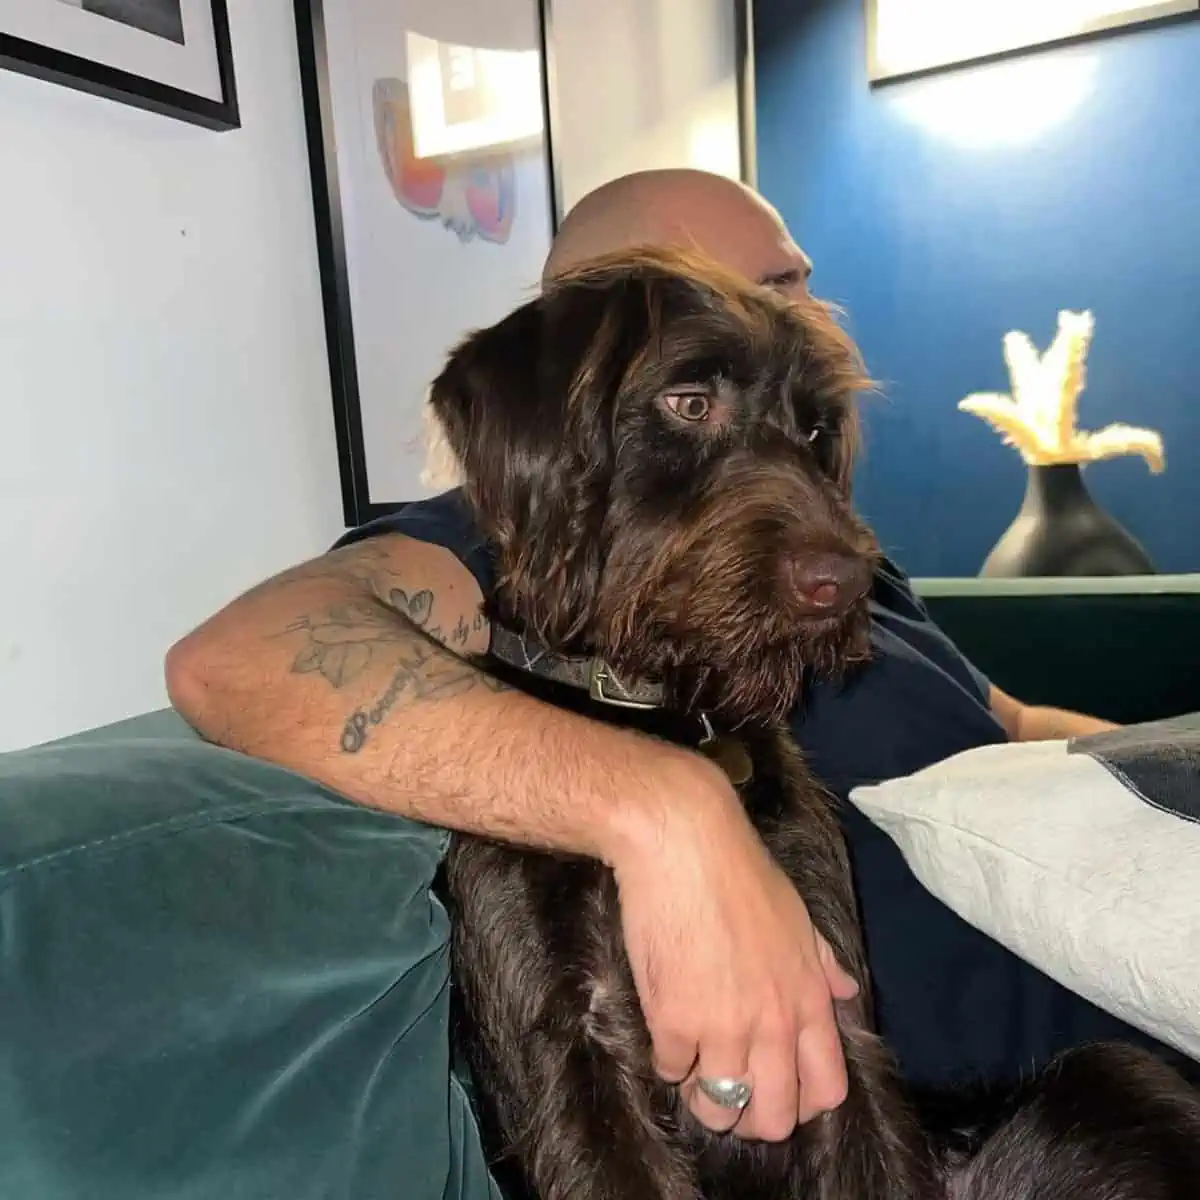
(828, 584)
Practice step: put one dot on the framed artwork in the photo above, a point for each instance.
(433, 190)
(914, 37)
(168, 56)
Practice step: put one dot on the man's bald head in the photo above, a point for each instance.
(685, 208)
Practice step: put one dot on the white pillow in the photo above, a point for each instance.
(1081, 857)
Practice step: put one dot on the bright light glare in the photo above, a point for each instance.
(464, 98)
(1011, 103)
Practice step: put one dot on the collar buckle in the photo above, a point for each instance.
(602, 678)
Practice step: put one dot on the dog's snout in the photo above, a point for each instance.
(828, 584)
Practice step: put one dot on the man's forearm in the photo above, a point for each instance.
(358, 693)
(1039, 724)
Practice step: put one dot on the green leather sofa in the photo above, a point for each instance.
(220, 981)
(1124, 649)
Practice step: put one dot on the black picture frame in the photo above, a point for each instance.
(743, 25)
(357, 505)
(124, 87)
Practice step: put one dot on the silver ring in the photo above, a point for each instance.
(733, 1094)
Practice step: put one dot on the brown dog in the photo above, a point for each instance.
(660, 456)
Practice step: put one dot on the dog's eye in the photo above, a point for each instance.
(689, 405)
(822, 430)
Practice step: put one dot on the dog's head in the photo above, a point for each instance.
(661, 455)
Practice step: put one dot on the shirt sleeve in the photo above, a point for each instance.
(982, 682)
(894, 591)
(445, 521)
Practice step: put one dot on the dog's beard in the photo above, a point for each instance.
(709, 603)
(724, 642)
(741, 681)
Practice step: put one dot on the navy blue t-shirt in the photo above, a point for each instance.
(951, 1002)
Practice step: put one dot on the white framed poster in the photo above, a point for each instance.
(429, 145)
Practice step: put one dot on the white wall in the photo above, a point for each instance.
(641, 84)
(166, 437)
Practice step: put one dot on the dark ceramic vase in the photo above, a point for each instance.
(1061, 530)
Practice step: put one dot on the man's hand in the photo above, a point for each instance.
(733, 979)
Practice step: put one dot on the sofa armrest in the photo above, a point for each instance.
(218, 979)
(1126, 650)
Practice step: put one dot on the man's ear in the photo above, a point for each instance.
(525, 407)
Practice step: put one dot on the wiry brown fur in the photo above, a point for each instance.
(672, 552)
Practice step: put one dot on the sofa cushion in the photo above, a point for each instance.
(218, 979)
(1082, 857)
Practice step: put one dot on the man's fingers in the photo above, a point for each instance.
(717, 1062)
(841, 985)
(821, 1066)
(771, 1116)
(675, 1056)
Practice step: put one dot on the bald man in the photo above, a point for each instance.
(732, 979)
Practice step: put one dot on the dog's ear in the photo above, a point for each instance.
(844, 452)
(526, 408)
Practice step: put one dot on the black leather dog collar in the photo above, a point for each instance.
(593, 675)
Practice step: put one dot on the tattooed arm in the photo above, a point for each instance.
(345, 669)
(348, 669)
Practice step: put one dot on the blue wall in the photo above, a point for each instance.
(945, 211)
